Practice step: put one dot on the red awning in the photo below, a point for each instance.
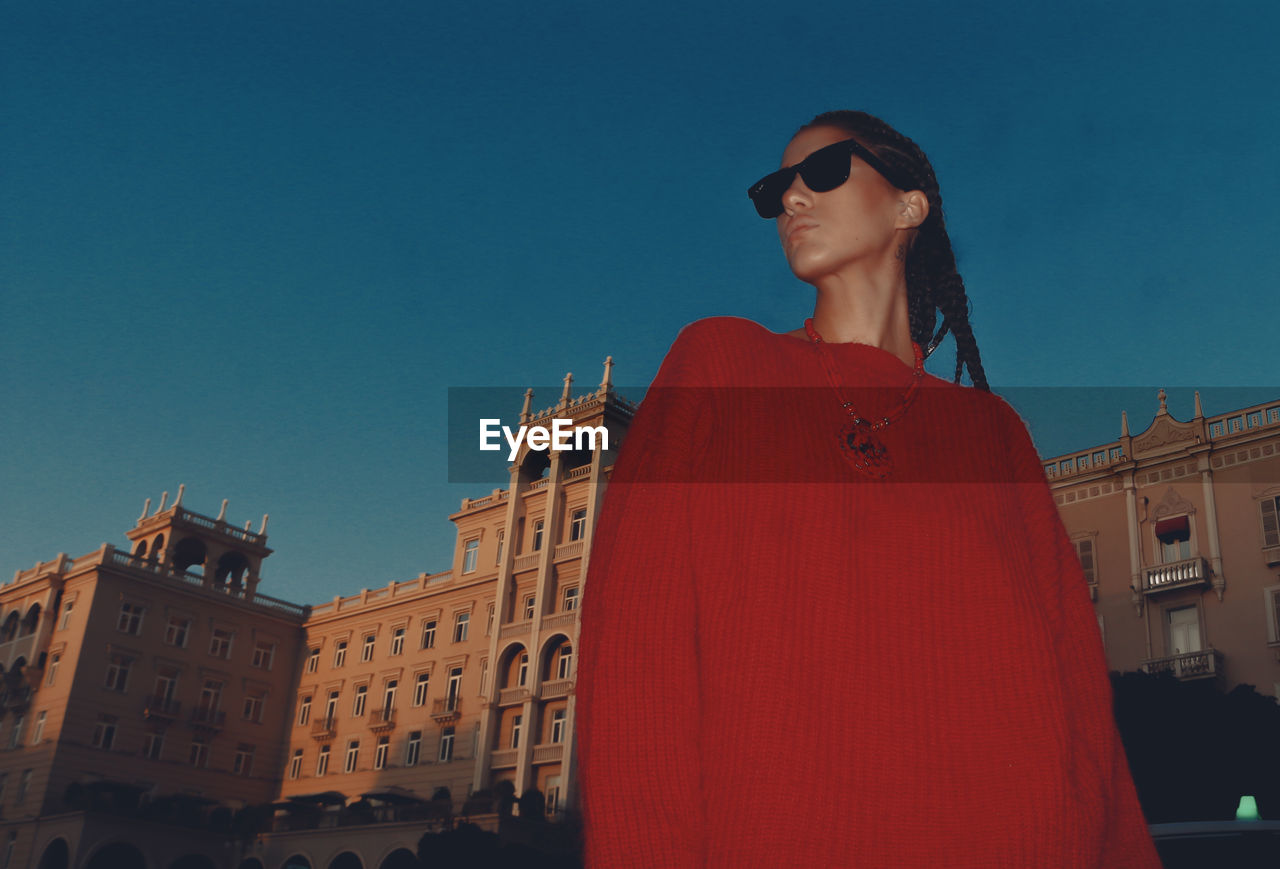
(1173, 528)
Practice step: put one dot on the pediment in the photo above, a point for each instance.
(1172, 504)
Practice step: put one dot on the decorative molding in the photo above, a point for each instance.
(1173, 504)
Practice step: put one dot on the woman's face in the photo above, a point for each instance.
(855, 225)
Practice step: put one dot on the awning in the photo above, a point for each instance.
(1173, 528)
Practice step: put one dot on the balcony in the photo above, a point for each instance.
(446, 709)
(382, 720)
(161, 708)
(505, 758)
(551, 753)
(553, 689)
(512, 696)
(1206, 664)
(1271, 555)
(325, 728)
(1187, 573)
(208, 718)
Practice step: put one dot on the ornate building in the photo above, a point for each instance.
(1176, 529)
(143, 688)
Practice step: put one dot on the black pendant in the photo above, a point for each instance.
(865, 451)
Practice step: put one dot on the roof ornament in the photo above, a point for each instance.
(1164, 402)
(145, 507)
(1124, 424)
(164, 499)
(607, 384)
(222, 514)
(181, 488)
(526, 412)
(568, 385)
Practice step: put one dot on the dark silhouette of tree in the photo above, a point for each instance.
(1194, 751)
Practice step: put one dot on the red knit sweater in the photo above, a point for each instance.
(786, 664)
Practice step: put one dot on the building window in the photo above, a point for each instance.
(429, 634)
(54, 660)
(153, 746)
(380, 753)
(515, 730)
(553, 795)
(313, 660)
(1184, 630)
(488, 624)
(469, 556)
(1084, 552)
(243, 763)
(38, 732)
(397, 641)
(130, 621)
(366, 653)
(460, 622)
(389, 698)
(304, 710)
(537, 535)
(220, 643)
(263, 655)
(1270, 514)
(322, 761)
(522, 674)
(1174, 535)
(498, 560)
(66, 614)
(198, 756)
(412, 748)
(15, 738)
(166, 686)
(446, 745)
(530, 605)
(578, 525)
(420, 689)
(331, 708)
(253, 708)
(353, 756)
(24, 784)
(210, 699)
(339, 653)
(455, 688)
(175, 633)
(1215, 429)
(362, 693)
(295, 764)
(570, 602)
(565, 663)
(118, 673)
(557, 726)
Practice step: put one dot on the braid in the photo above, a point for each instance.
(933, 284)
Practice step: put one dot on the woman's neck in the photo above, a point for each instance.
(868, 312)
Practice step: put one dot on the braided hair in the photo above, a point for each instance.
(933, 284)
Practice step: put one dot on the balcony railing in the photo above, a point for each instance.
(512, 696)
(1179, 574)
(381, 720)
(324, 728)
(548, 753)
(506, 757)
(557, 688)
(447, 708)
(205, 716)
(159, 706)
(1205, 664)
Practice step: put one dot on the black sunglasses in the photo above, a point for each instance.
(825, 169)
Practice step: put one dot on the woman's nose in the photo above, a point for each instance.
(797, 194)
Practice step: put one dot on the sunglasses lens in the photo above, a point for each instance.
(826, 169)
(767, 193)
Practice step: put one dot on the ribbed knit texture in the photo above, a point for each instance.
(813, 669)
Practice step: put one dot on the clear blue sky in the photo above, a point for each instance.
(249, 246)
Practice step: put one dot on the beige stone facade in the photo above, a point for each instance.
(1177, 530)
(160, 669)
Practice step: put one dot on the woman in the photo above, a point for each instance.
(832, 617)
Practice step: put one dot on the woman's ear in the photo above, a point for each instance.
(914, 208)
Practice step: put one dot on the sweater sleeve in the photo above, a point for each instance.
(1101, 770)
(638, 686)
